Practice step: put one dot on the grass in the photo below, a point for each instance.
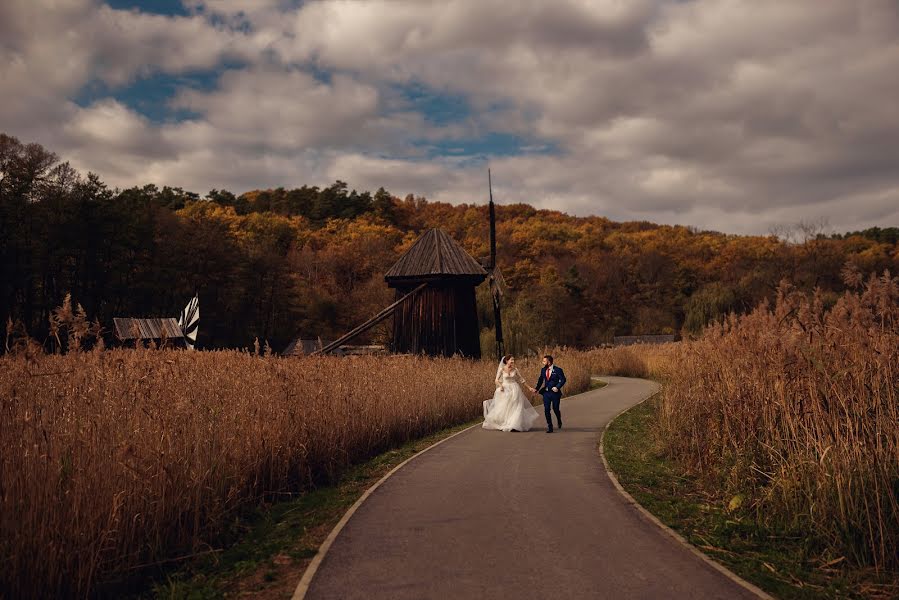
(782, 563)
(125, 462)
(796, 407)
(597, 384)
(122, 461)
(272, 546)
(275, 544)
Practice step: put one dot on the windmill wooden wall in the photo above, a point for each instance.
(439, 321)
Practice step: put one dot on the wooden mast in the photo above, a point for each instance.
(494, 284)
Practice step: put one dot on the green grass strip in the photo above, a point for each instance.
(778, 562)
(272, 546)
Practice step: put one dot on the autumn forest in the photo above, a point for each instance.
(275, 264)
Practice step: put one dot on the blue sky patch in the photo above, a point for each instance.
(159, 7)
(490, 144)
(151, 96)
(439, 108)
(443, 108)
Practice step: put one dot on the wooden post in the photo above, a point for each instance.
(494, 285)
(368, 324)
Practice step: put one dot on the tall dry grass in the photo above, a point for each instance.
(796, 406)
(651, 361)
(115, 460)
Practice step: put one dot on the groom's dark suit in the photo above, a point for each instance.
(556, 379)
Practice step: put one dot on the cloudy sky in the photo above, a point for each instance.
(726, 115)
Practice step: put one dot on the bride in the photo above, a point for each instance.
(509, 409)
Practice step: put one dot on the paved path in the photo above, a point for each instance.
(514, 515)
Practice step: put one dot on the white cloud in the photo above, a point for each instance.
(285, 109)
(49, 51)
(127, 44)
(111, 125)
(716, 113)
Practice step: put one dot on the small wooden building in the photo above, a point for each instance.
(442, 318)
(160, 331)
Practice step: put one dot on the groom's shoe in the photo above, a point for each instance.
(549, 429)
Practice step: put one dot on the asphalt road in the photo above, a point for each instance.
(515, 515)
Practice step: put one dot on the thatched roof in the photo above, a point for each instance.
(434, 255)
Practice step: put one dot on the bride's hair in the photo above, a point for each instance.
(506, 358)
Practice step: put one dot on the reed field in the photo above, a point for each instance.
(115, 460)
(648, 361)
(793, 408)
(796, 405)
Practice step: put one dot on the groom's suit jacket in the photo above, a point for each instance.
(556, 380)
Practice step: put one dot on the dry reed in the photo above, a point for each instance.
(796, 406)
(640, 360)
(114, 460)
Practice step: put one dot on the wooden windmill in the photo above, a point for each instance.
(442, 318)
(435, 311)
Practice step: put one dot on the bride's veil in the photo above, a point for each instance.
(499, 369)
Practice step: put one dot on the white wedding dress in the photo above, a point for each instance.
(509, 408)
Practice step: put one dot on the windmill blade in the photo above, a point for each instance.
(495, 290)
(497, 282)
(189, 321)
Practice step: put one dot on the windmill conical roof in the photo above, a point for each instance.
(435, 254)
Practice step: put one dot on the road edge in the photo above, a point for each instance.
(653, 519)
(306, 581)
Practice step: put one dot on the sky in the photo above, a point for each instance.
(734, 116)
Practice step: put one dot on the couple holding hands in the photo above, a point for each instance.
(511, 410)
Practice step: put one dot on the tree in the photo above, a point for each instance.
(710, 303)
(383, 205)
(273, 263)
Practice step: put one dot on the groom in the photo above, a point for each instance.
(550, 385)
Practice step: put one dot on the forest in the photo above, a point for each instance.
(270, 265)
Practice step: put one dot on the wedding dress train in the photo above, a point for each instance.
(509, 408)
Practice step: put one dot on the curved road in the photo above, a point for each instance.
(514, 515)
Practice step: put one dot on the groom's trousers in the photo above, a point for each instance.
(551, 400)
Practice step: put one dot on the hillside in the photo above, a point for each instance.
(273, 264)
